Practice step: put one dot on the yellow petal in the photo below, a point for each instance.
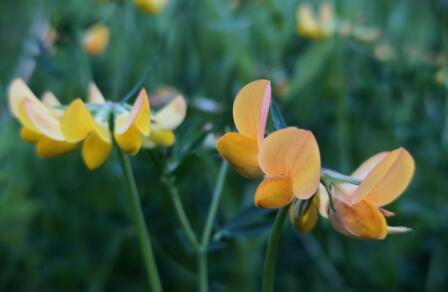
(95, 95)
(29, 135)
(307, 24)
(172, 114)
(77, 122)
(387, 180)
(18, 91)
(274, 192)
(241, 152)
(304, 221)
(40, 120)
(95, 151)
(161, 137)
(140, 116)
(96, 39)
(130, 142)
(48, 148)
(251, 107)
(361, 220)
(292, 152)
(151, 6)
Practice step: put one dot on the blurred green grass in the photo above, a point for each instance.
(64, 228)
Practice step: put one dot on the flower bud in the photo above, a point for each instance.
(96, 39)
(303, 214)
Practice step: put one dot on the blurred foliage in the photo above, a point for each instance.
(64, 228)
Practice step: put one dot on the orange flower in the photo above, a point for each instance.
(290, 160)
(96, 39)
(357, 208)
(250, 111)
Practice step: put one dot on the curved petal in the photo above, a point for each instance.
(140, 116)
(241, 152)
(18, 91)
(324, 201)
(387, 180)
(274, 192)
(131, 141)
(77, 122)
(304, 221)
(251, 107)
(171, 115)
(30, 136)
(95, 95)
(293, 152)
(164, 138)
(361, 220)
(48, 148)
(52, 103)
(39, 120)
(95, 151)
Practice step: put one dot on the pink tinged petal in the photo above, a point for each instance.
(95, 95)
(18, 91)
(250, 109)
(139, 115)
(387, 180)
(43, 121)
(171, 115)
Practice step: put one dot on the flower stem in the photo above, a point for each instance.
(139, 222)
(271, 251)
(202, 255)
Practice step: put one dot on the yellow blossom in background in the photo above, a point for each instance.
(250, 111)
(151, 6)
(358, 209)
(290, 160)
(312, 26)
(96, 39)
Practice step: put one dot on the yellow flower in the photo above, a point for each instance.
(164, 121)
(250, 111)
(151, 6)
(40, 121)
(96, 39)
(358, 209)
(308, 25)
(290, 160)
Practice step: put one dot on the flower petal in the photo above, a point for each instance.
(95, 95)
(324, 201)
(304, 221)
(171, 115)
(131, 141)
(241, 152)
(40, 120)
(140, 116)
(52, 103)
(77, 122)
(307, 24)
(361, 220)
(48, 148)
(164, 138)
(293, 152)
(96, 39)
(274, 192)
(95, 151)
(29, 135)
(18, 91)
(387, 180)
(251, 107)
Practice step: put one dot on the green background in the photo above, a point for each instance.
(64, 228)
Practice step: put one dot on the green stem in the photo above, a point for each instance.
(202, 255)
(271, 251)
(331, 176)
(181, 215)
(139, 222)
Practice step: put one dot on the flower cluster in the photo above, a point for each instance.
(56, 129)
(289, 161)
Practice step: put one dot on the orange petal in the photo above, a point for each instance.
(241, 152)
(140, 116)
(95, 95)
(293, 152)
(172, 114)
(251, 107)
(387, 180)
(48, 148)
(77, 122)
(95, 151)
(274, 192)
(361, 220)
(96, 39)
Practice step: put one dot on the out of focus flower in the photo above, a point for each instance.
(311, 26)
(357, 209)
(250, 111)
(366, 34)
(151, 6)
(441, 76)
(290, 160)
(384, 52)
(304, 214)
(96, 39)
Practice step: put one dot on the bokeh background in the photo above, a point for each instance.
(378, 83)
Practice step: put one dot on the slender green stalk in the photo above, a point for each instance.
(181, 215)
(140, 225)
(202, 255)
(271, 251)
